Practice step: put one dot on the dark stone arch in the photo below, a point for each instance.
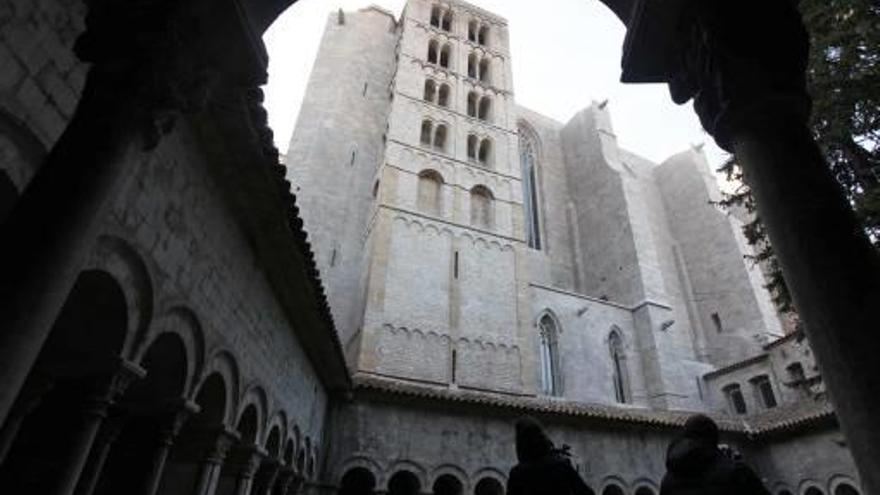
(289, 453)
(248, 425)
(488, 486)
(447, 484)
(645, 490)
(846, 489)
(813, 490)
(273, 442)
(404, 483)
(357, 481)
(613, 489)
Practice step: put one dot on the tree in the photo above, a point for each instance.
(844, 81)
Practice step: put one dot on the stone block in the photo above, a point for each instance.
(11, 71)
(58, 91)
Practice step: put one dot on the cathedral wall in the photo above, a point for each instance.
(337, 147)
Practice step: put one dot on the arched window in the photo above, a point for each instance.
(445, 55)
(612, 489)
(483, 37)
(845, 489)
(763, 390)
(435, 16)
(481, 207)
(447, 21)
(472, 31)
(357, 481)
(440, 138)
(404, 483)
(430, 192)
(447, 484)
(485, 153)
(472, 144)
(619, 369)
(488, 486)
(472, 65)
(528, 163)
(485, 108)
(735, 399)
(813, 491)
(427, 132)
(550, 379)
(472, 104)
(645, 490)
(485, 74)
(433, 48)
(443, 95)
(430, 90)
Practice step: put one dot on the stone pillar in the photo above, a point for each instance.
(93, 413)
(30, 397)
(100, 450)
(212, 463)
(169, 426)
(744, 62)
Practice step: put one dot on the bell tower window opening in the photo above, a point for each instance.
(485, 75)
(445, 54)
(485, 153)
(472, 144)
(472, 31)
(485, 112)
(483, 37)
(427, 132)
(443, 95)
(435, 16)
(527, 157)
(446, 24)
(433, 48)
(430, 192)
(430, 90)
(440, 138)
(472, 104)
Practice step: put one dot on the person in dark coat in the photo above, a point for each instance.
(542, 469)
(696, 466)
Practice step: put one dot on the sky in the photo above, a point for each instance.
(565, 55)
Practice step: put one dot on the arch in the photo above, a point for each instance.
(548, 331)
(279, 420)
(430, 90)
(485, 71)
(612, 488)
(645, 490)
(445, 55)
(288, 458)
(430, 189)
(273, 442)
(213, 400)
(472, 66)
(248, 425)
(254, 396)
(485, 112)
(357, 481)
(427, 134)
(842, 485)
(447, 484)
(451, 470)
(482, 207)
(440, 137)
(528, 158)
(619, 369)
(433, 51)
(489, 486)
(446, 23)
(473, 27)
(735, 400)
(484, 155)
(473, 143)
(490, 472)
(362, 462)
(404, 482)
(483, 35)
(181, 322)
(223, 363)
(435, 16)
(443, 95)
(472, 104)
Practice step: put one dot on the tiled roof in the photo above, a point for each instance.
(783, 418)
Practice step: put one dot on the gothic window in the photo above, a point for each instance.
(472, 65)
(485, 154)
(619, 369)
(528, 164)
(433, 48)
(435, 16)
(735, 399)
(472, 31)
(472, 144)
(472, 104)
(444, 56)
(485, 75)
(550, 379)
(430, 90)
(443, 95)
(427, 132)
(483, 37)
(440, 138)
(764, 391)
(429, 192)
(481, 207)
(447, 21)
(485, 108)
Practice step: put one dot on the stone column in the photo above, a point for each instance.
(93, 413)
(168, 428)
(212, 463)
(743, 62)
(100, 450)
(30, 397)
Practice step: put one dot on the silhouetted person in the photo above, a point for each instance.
(542, 469)
(696, 466)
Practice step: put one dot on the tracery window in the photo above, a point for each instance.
(527, 158)
(619, 368)
(551, 383)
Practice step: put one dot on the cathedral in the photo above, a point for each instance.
(431, 262)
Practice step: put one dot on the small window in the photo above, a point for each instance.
(485, 75)
(619, 369)
(427, 131)
(764, 391)
(485, 153)
(433, 48)
(735, 399)
(549, 333)
(447, 21)
(472, 144)
(485, 108)
(440, 138)
(472, 31)
(444, 56)
(443, 95)
(430, 91)
(376, 189)
(353, 158)
(483, 37)
(435, 16)
(472, 66)
(716, 320)
(481, 207)
(472, 104)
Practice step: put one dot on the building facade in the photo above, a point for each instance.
(480, 262)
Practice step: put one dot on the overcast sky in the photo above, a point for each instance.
(565, 54)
